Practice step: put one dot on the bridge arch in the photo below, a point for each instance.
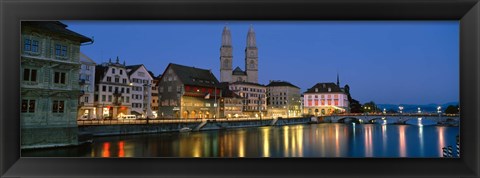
(349, 120)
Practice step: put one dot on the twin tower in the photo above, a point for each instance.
(226, 58)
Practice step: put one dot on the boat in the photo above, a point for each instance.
(185, 129)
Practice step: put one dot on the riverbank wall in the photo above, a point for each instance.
(125, 129)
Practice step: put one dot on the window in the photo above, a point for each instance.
(28, 106)
(59, 77)
(103, 97)
(179, 87)
(95, 98)
(116, 90)
(87, 67)
(109, 98)
(128, 90)
(86, 99)
(109, 79)
(117, 80)
(30, 75)
(113, 71)
(109, 88)
(123, 90)
(161, 89)
(104, 88)
(169, 89)
(123, 80)
(121, 71)
(34, 46)
(27, 45)
(128, 99)
(60, 50)
(58, 106)
(87, 77)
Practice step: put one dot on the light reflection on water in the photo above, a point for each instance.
(316, 140)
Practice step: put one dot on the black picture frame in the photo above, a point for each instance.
(12, 12)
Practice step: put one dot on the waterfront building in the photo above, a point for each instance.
(141, 83)
(87, 86)
(226, 59)
(231, 104)
(325, 99)
(155, 102)
(49, 86)
(112, 90)
(188, 92)
(283, 99)
(254, 98)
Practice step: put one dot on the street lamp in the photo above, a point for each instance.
(419, 110)
(439, 109)
(401, 109)
(384, 111)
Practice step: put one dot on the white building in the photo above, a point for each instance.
(87, 85)
(254, 98)
(325, 99)
(112, 90)
(141, 83)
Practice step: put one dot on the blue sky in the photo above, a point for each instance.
(394, 62)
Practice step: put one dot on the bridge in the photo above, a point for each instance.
(392, 118)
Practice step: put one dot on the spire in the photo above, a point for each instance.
(251, 37)
(117, 60)
(226, 37)
(124, 63)
(338, 80)
(109, 60)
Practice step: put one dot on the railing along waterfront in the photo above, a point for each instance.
(167, 121)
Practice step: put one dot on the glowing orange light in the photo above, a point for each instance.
(121, 151)
(106, 150)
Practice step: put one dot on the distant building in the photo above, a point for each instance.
(49, 86)
(141, 83)
(283, 99)
(112, 90)
(87, 86)
(254, 98)
(231, 104)
(226, 59)
(188, 92)
(325, 99)
(155, 101)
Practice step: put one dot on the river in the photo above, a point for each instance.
(305, 140)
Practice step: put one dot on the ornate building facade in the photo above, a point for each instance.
(49, 85)
(325, 99)
(87, 86)
(283, 99)
(141, 83)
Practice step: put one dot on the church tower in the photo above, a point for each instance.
(251, 57)
(226, 56)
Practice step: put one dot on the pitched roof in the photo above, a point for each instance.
(238, 71)
(281, 83)
(193, 76)
(100, 71)
(58, 28)
(226, 92)
(323, 88)
(132, 68)
(85, 59)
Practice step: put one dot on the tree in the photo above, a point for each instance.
(355, 106)
(371, 107)
(452, 109)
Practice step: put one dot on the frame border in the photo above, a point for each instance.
(12, 12)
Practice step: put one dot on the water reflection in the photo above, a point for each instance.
(316, 140)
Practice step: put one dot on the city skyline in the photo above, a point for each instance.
(313, 51)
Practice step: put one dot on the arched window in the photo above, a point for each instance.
(252, 64)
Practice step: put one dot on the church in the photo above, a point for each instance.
(226, 59)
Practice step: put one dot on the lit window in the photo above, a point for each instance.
(28, 106)
(58, 106)
(27, 45)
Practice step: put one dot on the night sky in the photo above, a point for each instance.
(389, 62)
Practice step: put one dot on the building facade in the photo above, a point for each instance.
(231, 104)
(49, 85)
(254, 98)
(113, 88)
(226, 59)
(87, 86)
(283, 99)
(155, 102)
(141, 83)
(188, 93)
(325, 99)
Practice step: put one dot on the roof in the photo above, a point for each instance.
(56, 27)
(281, 84)
(85, 59)
(132, 68)
(238, 71)
(323, 88)
(151, 74)
(247, 83)
(226, 92)
(100, 71)
(193, 76)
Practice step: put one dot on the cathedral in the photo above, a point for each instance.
(226, 59)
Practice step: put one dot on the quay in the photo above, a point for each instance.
(123, 127)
